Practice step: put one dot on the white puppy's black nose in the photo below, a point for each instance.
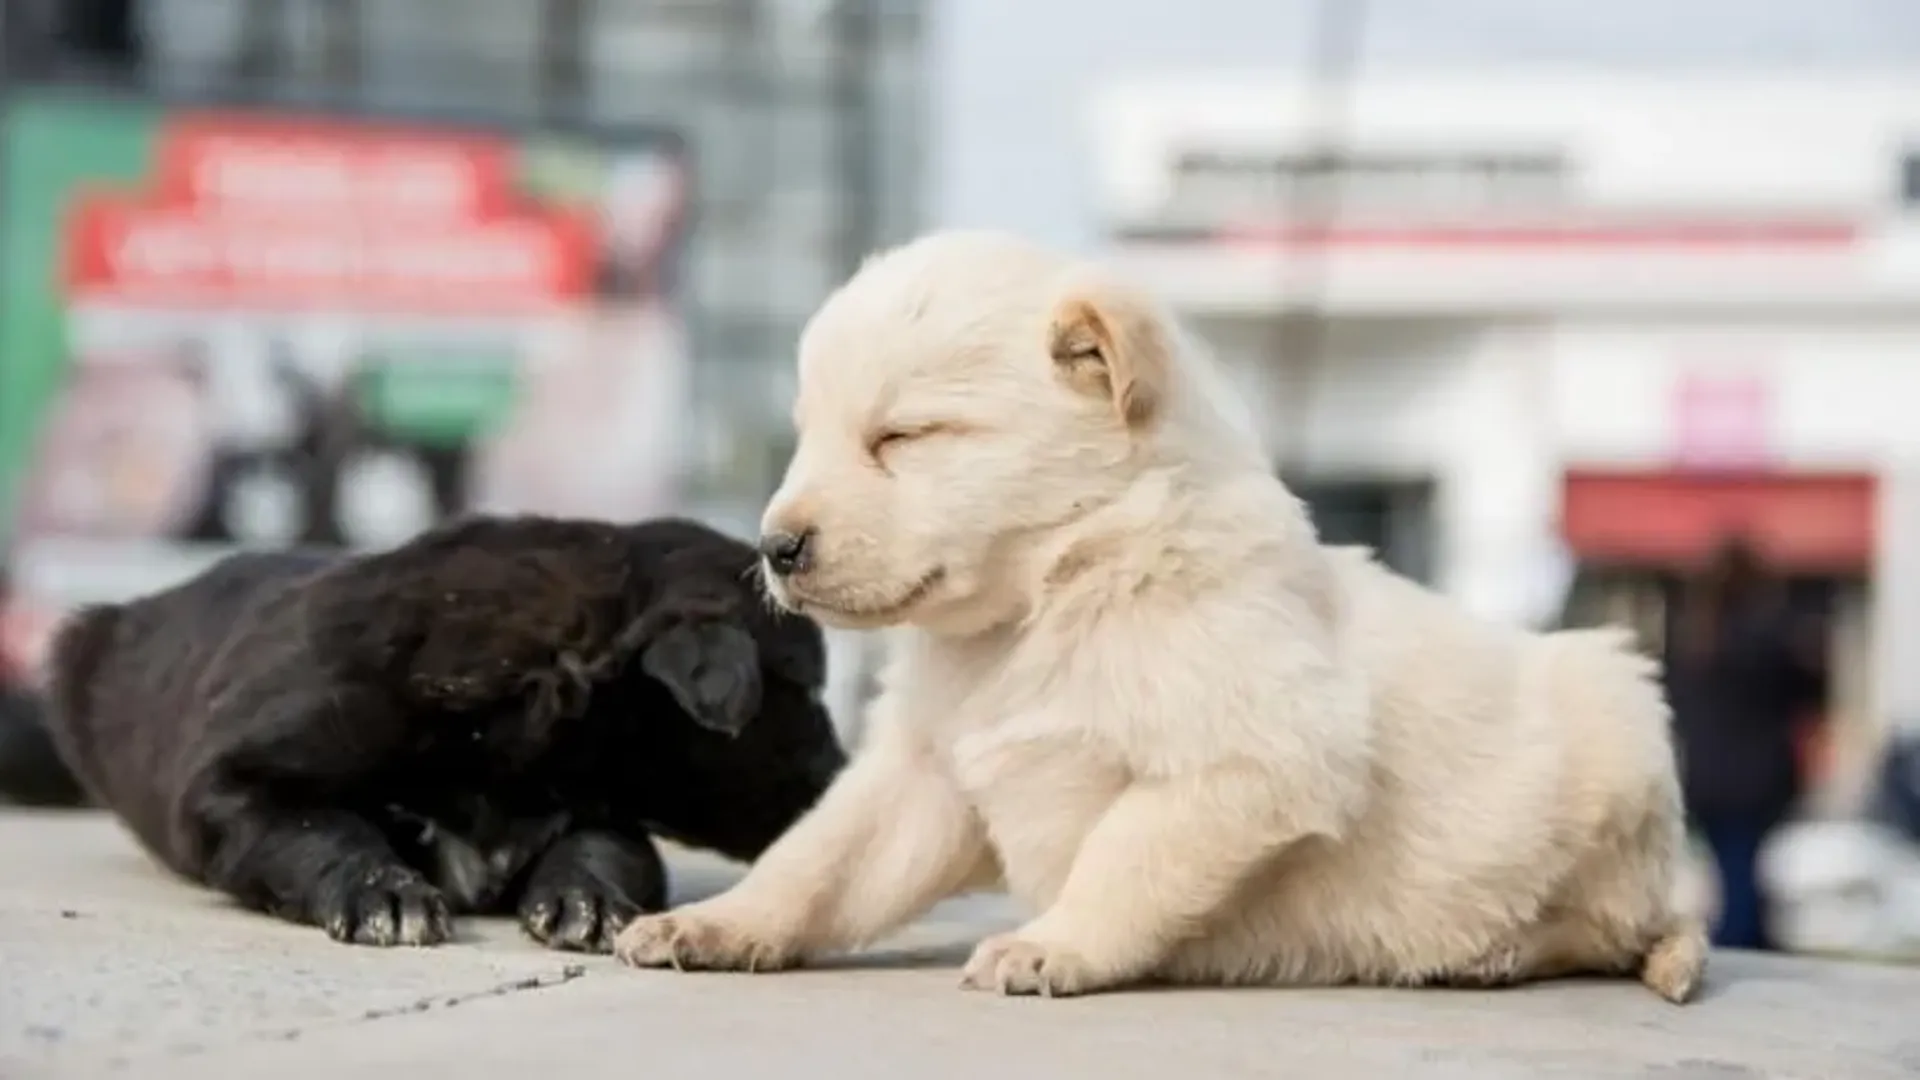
(786, 552)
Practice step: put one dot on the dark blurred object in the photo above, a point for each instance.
(91, 41)
(102, 31)
(1743, 671)
(1896, 796)
(315, 460)
(31, 772)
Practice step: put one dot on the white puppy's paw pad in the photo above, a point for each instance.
(691, 942)
(1006, 964)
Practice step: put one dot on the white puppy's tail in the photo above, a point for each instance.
(1613, 689)
(1676, 964)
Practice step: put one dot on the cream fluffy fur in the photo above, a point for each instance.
(1133, 689)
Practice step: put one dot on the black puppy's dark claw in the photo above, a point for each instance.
(383, 905)
(493, 717)
(588, 887)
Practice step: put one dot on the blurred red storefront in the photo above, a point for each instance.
(1808, 523)
(1821, 523)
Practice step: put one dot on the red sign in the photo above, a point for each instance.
(1811, 521)
(1721, 421)
(254, 213)
(1714, 236)
(293, 167)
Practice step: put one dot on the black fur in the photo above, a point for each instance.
(493, 717)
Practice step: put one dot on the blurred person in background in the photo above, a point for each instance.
(1743, 671)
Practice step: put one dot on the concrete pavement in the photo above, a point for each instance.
(108, 968)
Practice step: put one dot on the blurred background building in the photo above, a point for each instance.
(802, 120)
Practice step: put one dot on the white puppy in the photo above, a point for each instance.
(1133, 688)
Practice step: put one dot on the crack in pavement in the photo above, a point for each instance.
(428, 1004)
(432, 1003)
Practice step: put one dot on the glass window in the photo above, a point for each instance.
(272, 48)
(476, 56)
(691, 44)
(194, 44)
(900, 123)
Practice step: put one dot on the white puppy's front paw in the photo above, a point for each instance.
(1010, 964)
(693, 940)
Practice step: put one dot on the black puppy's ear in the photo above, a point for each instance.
(713, 669)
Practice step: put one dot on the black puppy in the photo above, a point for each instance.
(492, 717)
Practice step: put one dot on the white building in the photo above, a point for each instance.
(1595, 321)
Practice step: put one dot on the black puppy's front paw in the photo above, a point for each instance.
(588, 887)
(383, 905)
(578, 915)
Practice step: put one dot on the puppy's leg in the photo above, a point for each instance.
(1163, 858)
(1555, 948)
(1671, 964)
(890, 838)
(327, 867)
(260, 819)
(588, 886)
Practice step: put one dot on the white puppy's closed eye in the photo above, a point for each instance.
(892, 437)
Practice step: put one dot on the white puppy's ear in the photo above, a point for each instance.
(1110, 342)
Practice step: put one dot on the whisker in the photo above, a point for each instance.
(765, 590)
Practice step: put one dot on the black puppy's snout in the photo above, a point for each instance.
(787, 552)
